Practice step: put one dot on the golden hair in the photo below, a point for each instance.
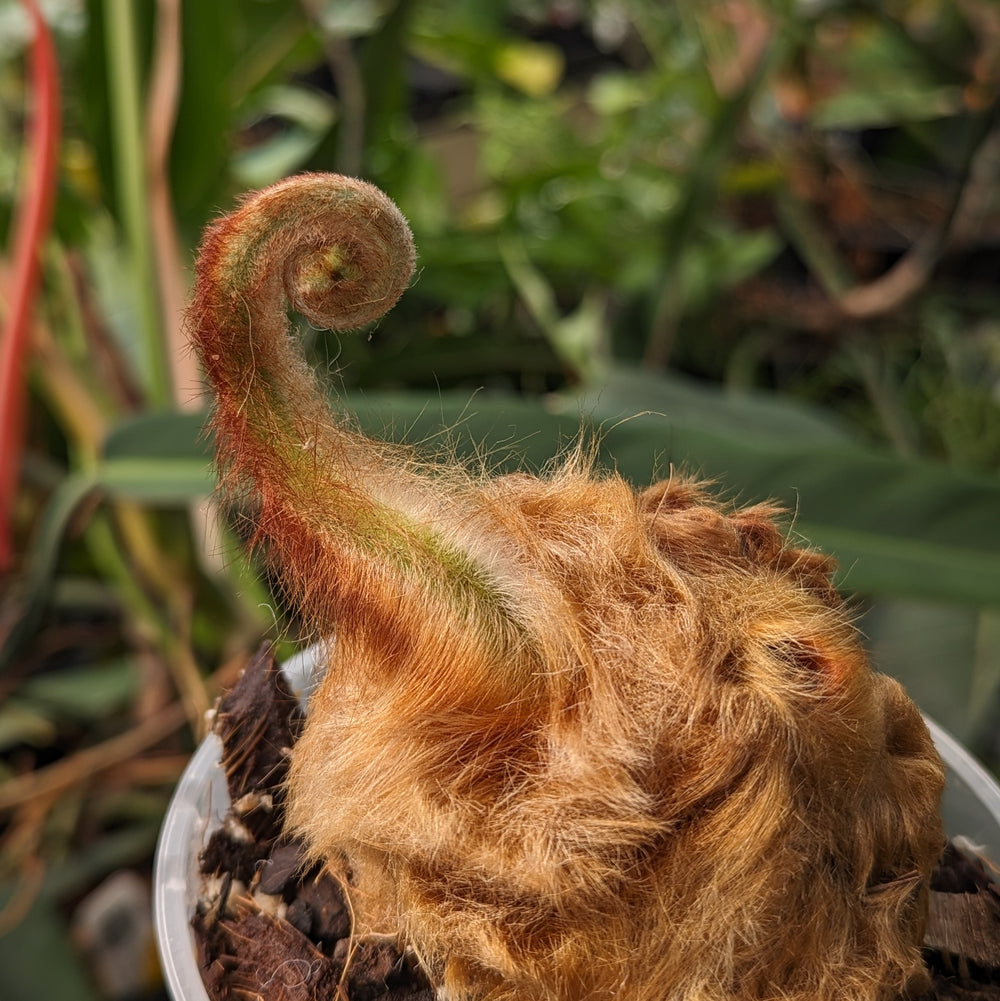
(574, 741)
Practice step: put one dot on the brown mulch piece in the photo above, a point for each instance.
(962, 940)
(271, 926)
(268, 924)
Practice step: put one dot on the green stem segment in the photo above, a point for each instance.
(124, 88)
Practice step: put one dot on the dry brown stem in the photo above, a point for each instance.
(86, 765)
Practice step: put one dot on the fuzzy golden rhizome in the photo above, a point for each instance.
(574, 741)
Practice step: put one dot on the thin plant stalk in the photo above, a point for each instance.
(161, 117)
(130, 173)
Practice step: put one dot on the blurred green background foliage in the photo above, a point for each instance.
(758, 239)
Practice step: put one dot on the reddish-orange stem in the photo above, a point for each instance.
(31, 224)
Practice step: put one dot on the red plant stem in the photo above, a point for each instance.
(30, 227)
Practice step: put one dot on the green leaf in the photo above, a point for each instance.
(724, 260)
(129, 846)
(350, 18)
(24, 724)
(165, 435)
(534, 68)
(947, 656)
(307, 116)
(868, 109)
(877, 562)
(167, 482)
(87, 692)
(580, 338)
(708, 407)
(890, 76)
(159, 459)
(614, 93)
(42, 557)
(899, 527)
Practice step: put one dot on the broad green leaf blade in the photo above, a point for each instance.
(159, 436)
(899, 527)
(161, 459)
(874, 562)
(164, 482)
(42, 558)
(628, 392)
(946, 655)
(308, 115)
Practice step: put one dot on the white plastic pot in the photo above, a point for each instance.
(971, 808)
